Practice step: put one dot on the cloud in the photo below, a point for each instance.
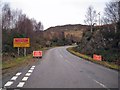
(57, 12)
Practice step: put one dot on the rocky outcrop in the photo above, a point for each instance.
(71, 32)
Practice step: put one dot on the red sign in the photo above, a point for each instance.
(97, 57)
(21, 42)
(37, 53)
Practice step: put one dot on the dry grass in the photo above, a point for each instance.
(19, 60)
(15, 62)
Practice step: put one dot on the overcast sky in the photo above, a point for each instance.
(57, 12)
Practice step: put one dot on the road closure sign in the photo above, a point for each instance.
(37, 53)
(97, 57)
(21, 42)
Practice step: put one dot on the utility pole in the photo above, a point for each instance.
(24, 51)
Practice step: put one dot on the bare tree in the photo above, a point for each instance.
(25, 26)
(0, 30)
(90, 17)
(37, 26)
(0, 15)
(15, 14)
(111, 13)
(6, 16)
(41, 27)
(34, 22)
(118, 25)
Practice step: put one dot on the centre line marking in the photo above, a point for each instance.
(28, 74)
(19, 73)
(9, 83)
(25, 79)
(14, 78)
(21, 84)
(32, 68)
(30, 71)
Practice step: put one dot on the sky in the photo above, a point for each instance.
(57, 12)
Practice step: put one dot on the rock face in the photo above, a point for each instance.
(74, 35)
(69, 32)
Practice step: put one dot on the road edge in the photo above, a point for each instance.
(103, 63)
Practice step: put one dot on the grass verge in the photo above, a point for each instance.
(19, 60)
(103, 63)
(16, 61)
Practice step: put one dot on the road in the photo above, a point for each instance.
(60, 69)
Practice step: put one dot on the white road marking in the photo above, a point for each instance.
(32, 68)
(14, 78)
(101, 84)
(28, 74)
(30, 71)
(18, 74)
(9, 83)
(25, 79)
(21, 84)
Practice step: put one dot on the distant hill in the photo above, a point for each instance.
(68, 27)
(73, 33)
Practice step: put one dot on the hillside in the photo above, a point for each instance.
(104, 40)
(66, 34)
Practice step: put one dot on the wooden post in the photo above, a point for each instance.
(24, 51)
(18, 51)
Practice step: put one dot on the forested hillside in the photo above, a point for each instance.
(102, 41)
(15, 24)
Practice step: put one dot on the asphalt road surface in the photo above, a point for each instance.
(60, 69)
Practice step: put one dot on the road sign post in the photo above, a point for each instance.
(24, 51)
(18, 51)
(21, 43)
